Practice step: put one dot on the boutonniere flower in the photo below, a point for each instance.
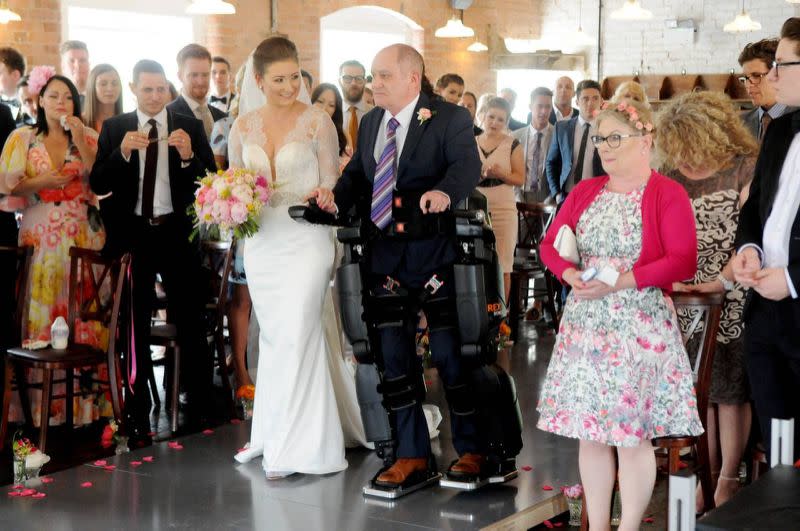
(424, 114)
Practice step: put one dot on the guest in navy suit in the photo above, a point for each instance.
(194, 71)
(768, 260)
(567, 165)
(432, 151)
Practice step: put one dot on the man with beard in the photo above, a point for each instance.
(194, 71)
(352, 80)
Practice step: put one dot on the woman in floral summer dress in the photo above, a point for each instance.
(619, 375)
(44, 173)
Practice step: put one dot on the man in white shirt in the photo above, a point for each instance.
(12, 68)
(768, 259)
(352, 80)
(221, 95)
(194, 71)
(535, 139)
(562, 103)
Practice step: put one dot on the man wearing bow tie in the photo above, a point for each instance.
(221, 95)
(12, 68)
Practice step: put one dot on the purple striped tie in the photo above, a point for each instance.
(383, 186)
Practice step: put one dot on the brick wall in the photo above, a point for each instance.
(38, 35)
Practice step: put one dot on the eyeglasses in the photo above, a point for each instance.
(350, 79)
(613, 141)
(754, 78)
(777, 66)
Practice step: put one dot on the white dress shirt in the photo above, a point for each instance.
(404, 117)
(222, 106)
(778, 228)
(560, 117)
(586, 171)
(162, 199)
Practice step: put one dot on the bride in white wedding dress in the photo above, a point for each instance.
(305, 405)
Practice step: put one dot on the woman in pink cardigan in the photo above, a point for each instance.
(619, 375)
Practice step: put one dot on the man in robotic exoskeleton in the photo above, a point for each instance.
(409, 250)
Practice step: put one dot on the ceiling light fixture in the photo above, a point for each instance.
(631, 10)
(742, 23)
(454, 29)
(210, 7)
(6, 15)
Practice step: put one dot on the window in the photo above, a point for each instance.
(121, 38)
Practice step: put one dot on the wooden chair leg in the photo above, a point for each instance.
(514, 306)
(7, 379)
(219, 347)
(24, 397)
(674, 460)
(551, 286)
(44, 417)
(151, 380)
(176, 379)
(69, 383)
(704, 472)
(584, 514)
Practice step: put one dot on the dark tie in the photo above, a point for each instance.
(766, 119)
(581, 154)
(150, 165)
(223, 99)
(381, 213)
(533, 171)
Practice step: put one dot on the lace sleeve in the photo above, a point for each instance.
(327, 152)
(235, 146)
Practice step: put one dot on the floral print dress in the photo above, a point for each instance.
(619, 374)
(53, 220)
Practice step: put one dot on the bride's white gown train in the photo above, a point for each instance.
(305, 393)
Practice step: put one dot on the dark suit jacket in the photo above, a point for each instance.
(553, 119)
(180, 106)
(439, 154)
(753, 122)
(8, 223)
(514, 125)
(559, 157)
(763, 189)
(111, 174)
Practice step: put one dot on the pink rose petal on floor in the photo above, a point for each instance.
(682, 465)
(39, 495)
(18, 487)
(547, 487)
(13, 493)
(47, 480)
(136, 463)
(559, 524)
(86, 484)
(648, 520)
(527, 468)
(236, 421)
(100, 462)
(208, 432)
(110, 468)
(175, 445)
(27, 492)
(151, 434)
(548, 524)
(240, 450)
(147, 458)
(797, 464)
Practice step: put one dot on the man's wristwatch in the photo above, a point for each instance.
(726, 284)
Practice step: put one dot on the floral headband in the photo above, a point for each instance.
(39, 77)
(633, 115)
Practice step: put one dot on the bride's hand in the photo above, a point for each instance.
(324, 197)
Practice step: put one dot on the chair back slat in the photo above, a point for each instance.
(707, 310)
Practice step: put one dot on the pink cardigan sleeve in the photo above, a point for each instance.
(672, 225)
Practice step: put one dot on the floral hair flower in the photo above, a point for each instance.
(39, 77)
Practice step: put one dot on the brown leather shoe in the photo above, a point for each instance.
(467, 465)
(401, 469)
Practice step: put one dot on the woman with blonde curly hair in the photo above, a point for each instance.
(630, 91)
(707, 149)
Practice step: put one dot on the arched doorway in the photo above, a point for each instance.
(358, 33)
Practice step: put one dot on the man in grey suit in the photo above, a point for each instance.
(535, 140)
(756, 60)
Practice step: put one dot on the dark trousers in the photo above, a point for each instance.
(398, 350)
(772, 353)
(8, 275)
(166, 249)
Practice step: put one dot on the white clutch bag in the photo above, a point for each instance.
(567, 245)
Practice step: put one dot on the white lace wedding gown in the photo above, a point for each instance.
(305, 405)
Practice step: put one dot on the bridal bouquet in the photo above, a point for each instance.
(230, 200)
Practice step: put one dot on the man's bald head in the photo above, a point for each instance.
(397, 72)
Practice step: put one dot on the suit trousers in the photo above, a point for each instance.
(398, 350)
(166, 249)
(772, 355)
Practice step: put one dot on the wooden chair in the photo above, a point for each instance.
(219, 258)
(95, 292)
(706, 309)
(534, 219)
